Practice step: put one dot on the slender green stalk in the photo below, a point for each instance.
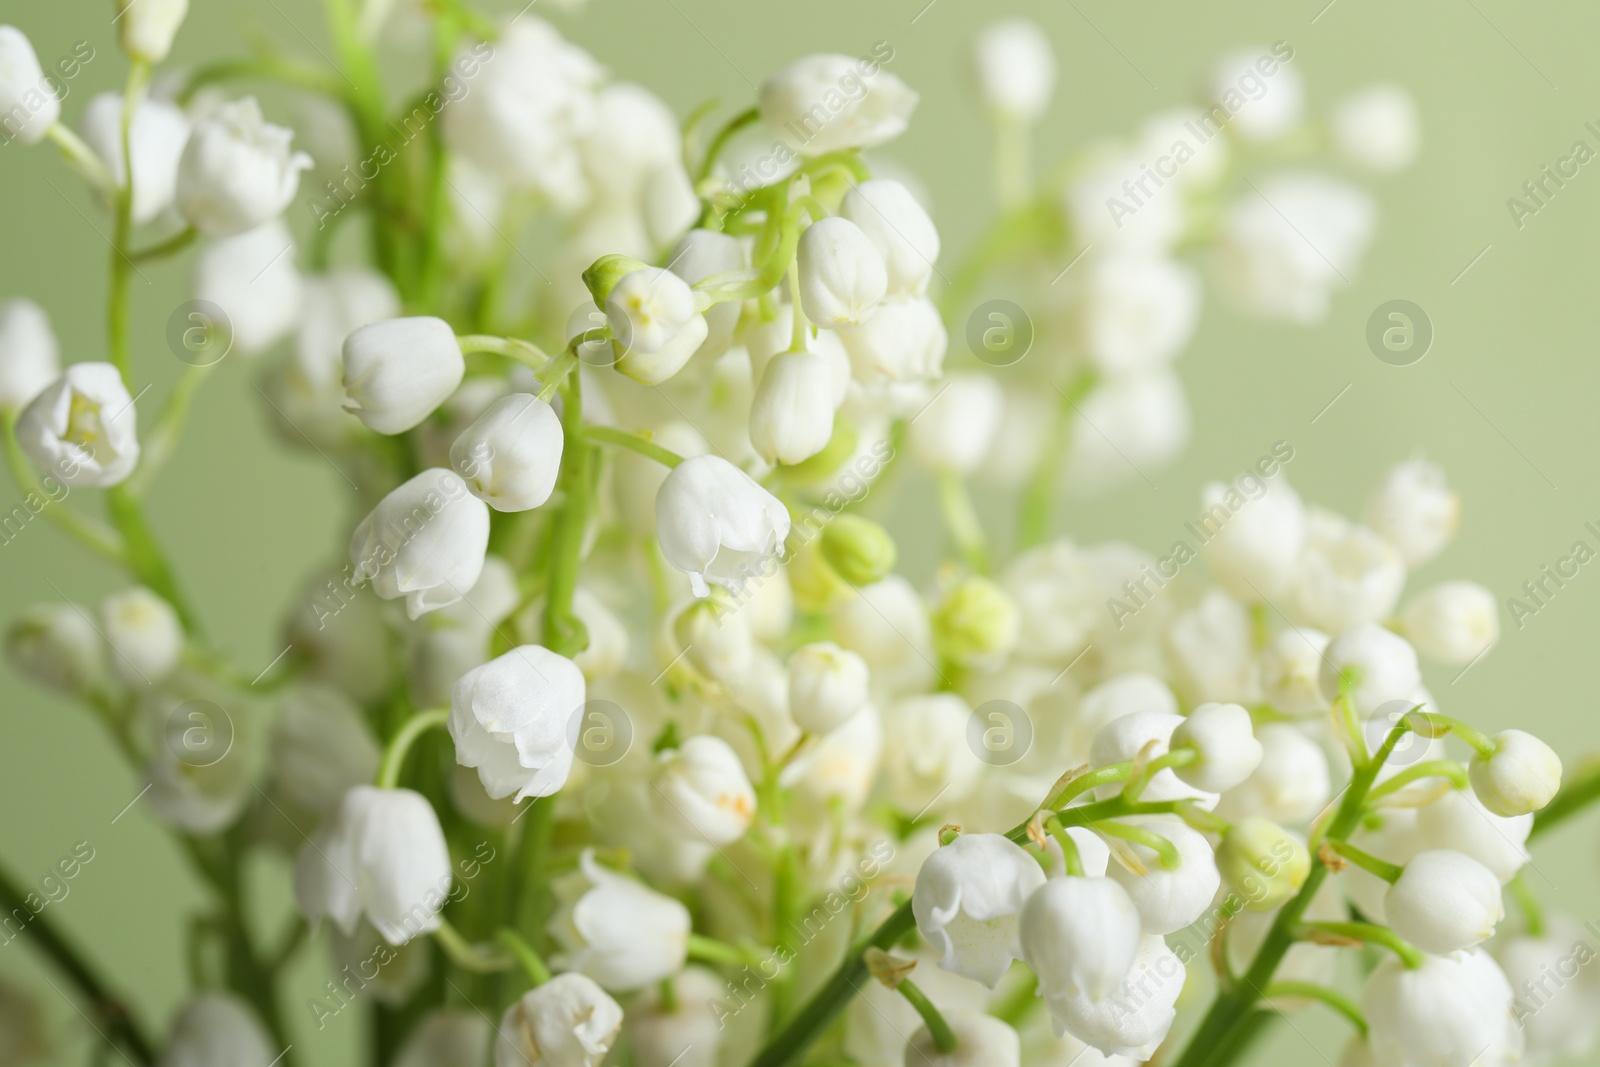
(606, 435)
(394, 756)
(170, 247)
(1114, 772)
(1369, 933)
(89, 532)
(1447, 769)
(564, 632)
(1528, 904)
(943, 1038)
(83, 159)
(163, 439)
(478, 959)
(1480, 741)
(523, 352)
(1139, 835)
(144, 556)
(532, 962)
(108, 1011)
(1072, 861)
(961, 519)
(1178, 757)
(1389, 872)
(710, 950)
(121, 265)
(267, 68)
(744, 118)
(1039, 498)
(554, 372)
(1331, 997)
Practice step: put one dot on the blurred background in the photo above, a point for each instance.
(1504, 399)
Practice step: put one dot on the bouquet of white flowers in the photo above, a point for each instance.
(618, 736)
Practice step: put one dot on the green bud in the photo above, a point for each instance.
(814, 584)
(604, 274)
(861, 551)
(976, 621)
(1263, 862)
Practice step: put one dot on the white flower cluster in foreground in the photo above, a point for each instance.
(618, 727)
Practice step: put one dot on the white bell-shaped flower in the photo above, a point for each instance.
(144, 633)
(653, 318)
(1556, 1015)
(981, 1041)
(82, 429)
(1444, 901)
(827, 685)
(1168, 900)
(1134, 1019)
(253, 279)
(791, 417)
(1261, 92)
(510, 718)
(1290, 671)
(237, 171)
(1376, 128)
(1521, 777)
(708, 795)
(30, 357)
(568, 1021)
(899, 228)
(382, 855)
(687, 1034)
(842, 275)
(425, 542)
(57, 645)
(28, 101)
(717, 525)
(1450, 1011)
(397, 372)
(217, 1030)
(1080, 936)
(1290, 785)
(1415, 510)
(615, 930)
(1348, 576)
(511, 454)
(146, 27)
(1379, 664)
(1256, 547)
(1135, 310)
(828, 102)
(968, 903)
(1454, 622)
(931, 758)
(904, 341)
(1223, 738)
(1015, 68)
(1148, 732)
(156, 139)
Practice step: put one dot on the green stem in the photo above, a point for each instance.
(554, 372)
(943, 1038)
(564, 632)
(1577, 794)
(1231, 1012)
(1444, 768)
(1015, 1007)
(170, 247)
(478, 959)
(83, 159)
(1389, 872)
(1139, 835)
(1528, 904)
(1069, 848)
(961, 519)
(394, 755)
(720, 141)
(1480, 741)
(107, 1010)
(635, 442)
(144, 556)
(267, 68)
(524, 352)
(827, 1003)
(532, 962)
(1039, 499)
(1114, 772)
(710, 950)
(1371, 934)
(1331, 997)
(121, 265)
(1178, 757)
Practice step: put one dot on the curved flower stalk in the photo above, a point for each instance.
(625, 713)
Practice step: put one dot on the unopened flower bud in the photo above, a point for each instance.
(859, 550)
(398, 371)
(708, 794)
(56, 644)
(1453, 622)
(791, 417)
(813, 581)
(1521, 777)
(976, 621)
(981, 1041)
(1444, 901)
(237, 172)
(144, 633)
(715, 638)
(146, 27)
(1263, 861)
(28, 101)
(604, 274)
(827, 685)
(1015, 68)
(843, 278)
(1227, 750)
(654, 322)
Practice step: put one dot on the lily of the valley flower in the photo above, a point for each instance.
(237, 171)
(397, 372)
(827, 685)
(706, 791)
(968, 902)
(842, 275)
(144, 633)
(217, 1030)
(1451, 1010)
(1015, 69)
(29, 105)
(1521, 776)
(1444, 901)
(511, 454)
(717, 525)
(29, 354)
(82, 428)
(791, 418)
(382, 856)
(156, 139)
(617, 931)
(1080, 936)
(568, 1021)
(827, 103)
(146, 27)
(425, 542)
(510, 718)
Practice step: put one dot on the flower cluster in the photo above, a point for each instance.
(622, 599)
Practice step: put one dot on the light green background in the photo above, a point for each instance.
(1505, 399)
